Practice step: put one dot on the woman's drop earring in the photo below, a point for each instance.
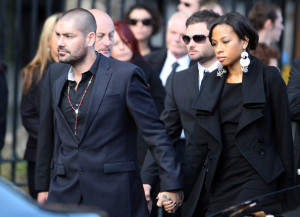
(220, 71)
(244, 61)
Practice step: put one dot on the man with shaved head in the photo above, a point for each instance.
(105, 32)
(103, 45)
(99, 103)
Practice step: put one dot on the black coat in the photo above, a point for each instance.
(263, 134)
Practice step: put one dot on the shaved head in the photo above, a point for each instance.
(84, 20)
(104, 33)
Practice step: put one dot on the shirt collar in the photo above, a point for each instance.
(93, 69)
(210, 69)
(182, 61)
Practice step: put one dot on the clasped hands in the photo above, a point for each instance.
(169, 200)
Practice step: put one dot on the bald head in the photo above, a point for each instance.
(104, 33)
(84, 20)
(180, 16)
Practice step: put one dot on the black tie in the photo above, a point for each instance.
(174, 66)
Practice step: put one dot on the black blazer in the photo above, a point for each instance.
(263, 134)
(101, 166)
(156, 88)
(178, 113)
(293, 90)
(45, 147)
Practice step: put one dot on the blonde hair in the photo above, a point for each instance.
(35, 69)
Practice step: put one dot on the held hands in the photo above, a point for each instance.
(170, 200)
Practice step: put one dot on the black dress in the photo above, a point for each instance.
(235, 180)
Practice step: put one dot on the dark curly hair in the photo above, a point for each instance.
(151, 10)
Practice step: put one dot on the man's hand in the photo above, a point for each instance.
(42, 197)
(170, 200)
(147, 190)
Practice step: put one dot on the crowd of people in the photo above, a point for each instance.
(194, 127)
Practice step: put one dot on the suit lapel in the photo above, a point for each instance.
(206, 103)
(193, 80)
(59, 84)
(253, 94)
(101, 82)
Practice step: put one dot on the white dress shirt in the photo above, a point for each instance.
(184, 63)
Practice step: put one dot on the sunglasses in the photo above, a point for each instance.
(186, 4)
(197, 38)
(145, 22)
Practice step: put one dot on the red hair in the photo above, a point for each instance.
(128, 38)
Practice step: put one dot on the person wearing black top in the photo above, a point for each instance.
(241, 144)
(33, 74)
(96, 163)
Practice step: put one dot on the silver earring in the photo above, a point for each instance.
(220, 71)
(244, 61)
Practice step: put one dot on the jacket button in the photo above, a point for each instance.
(261, 152)
(80, 148)
(261, 140)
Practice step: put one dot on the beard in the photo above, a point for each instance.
(204, 57)
(74, 59)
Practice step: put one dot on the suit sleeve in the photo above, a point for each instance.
(293, 90)
(171, 118)
(143, 110)
(46, 136)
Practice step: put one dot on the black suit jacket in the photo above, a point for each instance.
(263, 134)
(293, 90)
(46, 138)
(178, 113)
(101, 167)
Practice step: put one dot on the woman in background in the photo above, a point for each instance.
(30, 102)
(144, 22)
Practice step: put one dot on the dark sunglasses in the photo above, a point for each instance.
(187, 4)
(145, 22)
(197, 38)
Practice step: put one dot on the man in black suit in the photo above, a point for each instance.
(98, 104)
(184, 86)
(44, 166)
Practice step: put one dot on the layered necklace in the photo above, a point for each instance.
(81, 100)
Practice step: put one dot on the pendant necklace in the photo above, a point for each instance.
(81, 100)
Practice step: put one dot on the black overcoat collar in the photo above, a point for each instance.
(253, 99)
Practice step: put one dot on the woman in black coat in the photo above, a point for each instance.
(241, 144)
(31, 93)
